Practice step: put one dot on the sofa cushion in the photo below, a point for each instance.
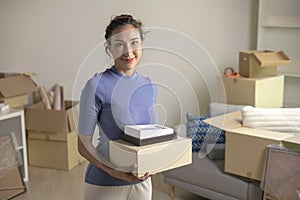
(202, 133)
(210, 174)
(215, 151)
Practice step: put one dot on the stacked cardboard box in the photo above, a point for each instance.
(15, 89)
(152, 158)
(154, 148)
(259, 92)
(260, 64)
(258, 84)
(52, 136)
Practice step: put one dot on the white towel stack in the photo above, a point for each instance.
(275, 119)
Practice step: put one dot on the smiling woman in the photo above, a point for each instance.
(112, 99)
(124, 38)
(126, 48)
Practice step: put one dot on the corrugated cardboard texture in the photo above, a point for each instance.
(292, 143)
(282, 177)
(52, 121)
(245, 155)
(254, 91)
(271, 58)
(255, 64)
(11, 184)
(16, 85)
(16, 101)
(226, 122)
(46, 120)
(152, 158)
(245, 147)
(11, 181)
(54, 154)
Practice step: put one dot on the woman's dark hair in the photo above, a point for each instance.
(121, 21)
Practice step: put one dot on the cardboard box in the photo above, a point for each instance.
(255, 64)
(52, 121)
(258, 92)
(52, 136)
(14, 89)
(54, 153)
(153, 158)
(11, 180)
(281, 176)
(292, 143)
(11, 183)
(245, 148)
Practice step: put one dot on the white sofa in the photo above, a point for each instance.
(206, 177)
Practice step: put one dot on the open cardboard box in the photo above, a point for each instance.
(51, 124)
(246, 148)
(153, 158)
(52, 136)
(254, 64)
(292, 143)
(14, 89)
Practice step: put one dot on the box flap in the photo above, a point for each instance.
(16, 85)
(233, 122)
(73, 114)
(38, 119)
(294, 139)
(226, 122)
(292, 143)
(271, 58)
(266, 134)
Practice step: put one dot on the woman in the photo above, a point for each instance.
(117, 97)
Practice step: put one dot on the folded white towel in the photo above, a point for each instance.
(276, 119)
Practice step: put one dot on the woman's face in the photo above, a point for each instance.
(126, 48)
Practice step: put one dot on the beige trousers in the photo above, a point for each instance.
(140, 191)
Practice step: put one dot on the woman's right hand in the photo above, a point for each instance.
(124, 173)
(87, 150)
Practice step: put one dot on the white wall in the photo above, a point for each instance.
(52, 38)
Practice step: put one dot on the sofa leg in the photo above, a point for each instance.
(172, 191)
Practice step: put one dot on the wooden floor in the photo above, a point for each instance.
(50, 184)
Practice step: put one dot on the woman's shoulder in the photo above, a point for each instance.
(94, 80)
(144, 78)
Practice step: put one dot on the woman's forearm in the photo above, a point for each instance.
(87, 150)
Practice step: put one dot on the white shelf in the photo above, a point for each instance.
(281, 21)
(292, 75)
(279, 29)
(280, 26)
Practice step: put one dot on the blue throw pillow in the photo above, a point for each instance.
(202, 133)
